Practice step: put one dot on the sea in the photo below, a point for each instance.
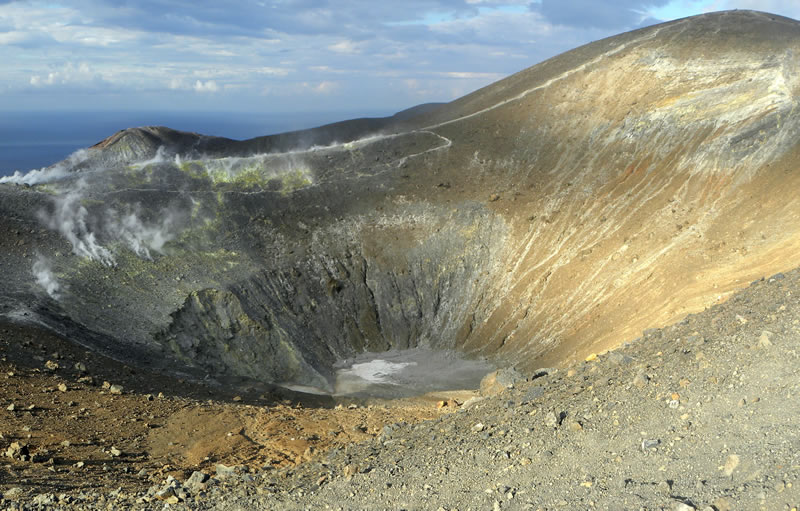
(32, 140)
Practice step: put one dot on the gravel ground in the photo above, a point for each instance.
(699, 415)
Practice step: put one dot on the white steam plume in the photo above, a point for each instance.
(159, 157)
(138, 236)
(45, 277)
(69, 218)
(47, 174)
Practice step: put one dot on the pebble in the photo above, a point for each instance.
(777, 277)
(765, 340)
(115, 389)
(196, 481)
(13, 493)
(552, 420)
(730, 464)
(115, 452)
(44, 499)
(723, 504)
(18, 451)
(682, 506)
(650, 444)
(224, 471)
(619, 359)
(651, 332)
(471, 402)
(499, 381)
(62, 387)
(165, 493)
(533, 394)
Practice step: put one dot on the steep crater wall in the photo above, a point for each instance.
(413, 279)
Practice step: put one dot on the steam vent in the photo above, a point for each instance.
(556, 213)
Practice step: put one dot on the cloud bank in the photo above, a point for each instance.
(288, 55)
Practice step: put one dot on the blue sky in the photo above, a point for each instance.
(296, 55)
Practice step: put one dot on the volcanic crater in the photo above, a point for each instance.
(554, 214)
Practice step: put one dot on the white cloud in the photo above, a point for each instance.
(68, 74)
(273, 71)
(345, 46)
(15, 37)
(324, 87)
(360, 52)
(473, 76)
(176, 84)
(300, 89)
(209, 86)
(789, 8)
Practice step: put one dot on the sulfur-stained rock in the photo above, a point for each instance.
(498, 381)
